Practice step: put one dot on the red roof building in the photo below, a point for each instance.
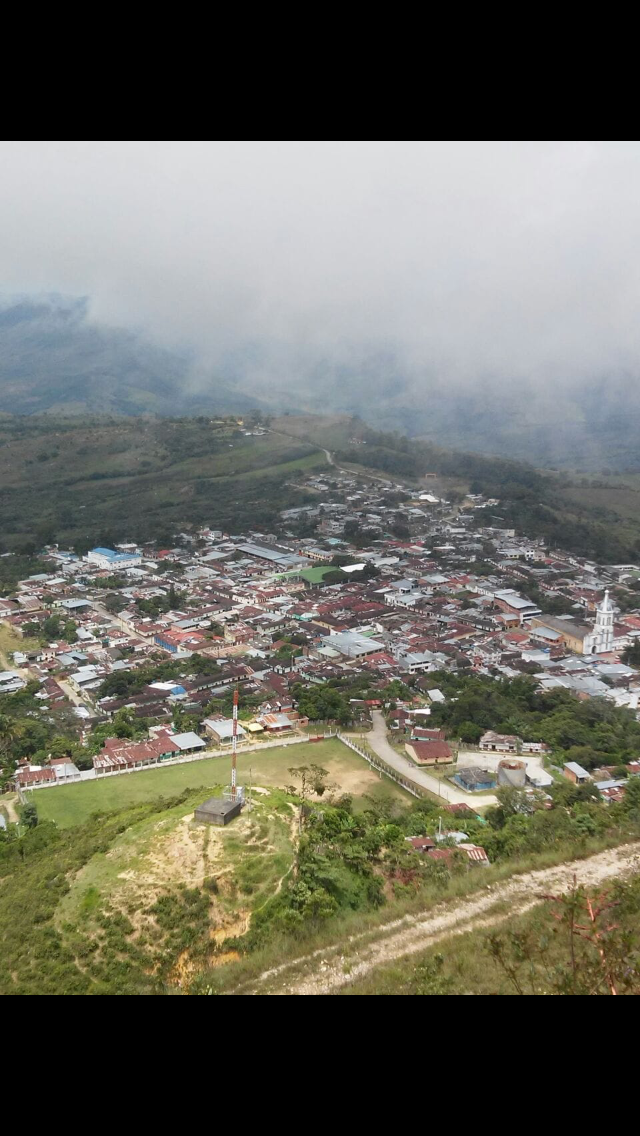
(430, 753)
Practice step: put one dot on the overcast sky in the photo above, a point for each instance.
(466, 258)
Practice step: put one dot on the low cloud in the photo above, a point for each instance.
(455, 261)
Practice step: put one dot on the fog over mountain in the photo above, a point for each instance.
(484, 294)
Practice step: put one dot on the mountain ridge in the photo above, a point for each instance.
(55, 359)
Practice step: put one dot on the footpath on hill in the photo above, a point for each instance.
(330, 968)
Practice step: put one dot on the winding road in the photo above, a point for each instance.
(377, 739)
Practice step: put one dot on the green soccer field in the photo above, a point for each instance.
(72, 804)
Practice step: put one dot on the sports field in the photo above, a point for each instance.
(72, 804)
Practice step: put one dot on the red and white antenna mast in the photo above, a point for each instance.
(234, 745)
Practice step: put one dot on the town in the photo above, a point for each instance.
(336, 625)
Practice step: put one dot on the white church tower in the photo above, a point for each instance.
(603, 631)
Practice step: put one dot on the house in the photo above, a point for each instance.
(26, 777)
(116, 754)
(188, 742)
(421, 843)
(275, 723)
(422, 734)
(430, 752)
(10, 682)
(535, 747)
(220, 730)
(175, 640)
(65, 769)
(353, 645)
(475, 853)
(516, 605)
(490, 742)
(575, 773)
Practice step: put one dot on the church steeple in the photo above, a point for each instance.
(603, 632)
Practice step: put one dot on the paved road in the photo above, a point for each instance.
(377, 739)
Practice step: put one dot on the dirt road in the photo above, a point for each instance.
(9, 803)
(327, 970)
(377, 739)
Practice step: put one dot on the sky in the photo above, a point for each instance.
(462, 259)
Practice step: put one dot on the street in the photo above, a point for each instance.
(377, 739)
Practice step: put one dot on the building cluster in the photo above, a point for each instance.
(392, 583)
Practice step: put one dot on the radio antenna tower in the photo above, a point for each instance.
(234, 745)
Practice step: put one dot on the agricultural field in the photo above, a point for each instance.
(69, 805)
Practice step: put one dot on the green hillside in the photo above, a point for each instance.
(86, 480)
(83, 480)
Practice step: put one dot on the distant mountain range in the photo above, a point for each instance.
(54, 359)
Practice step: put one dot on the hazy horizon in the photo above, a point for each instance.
(460, 261)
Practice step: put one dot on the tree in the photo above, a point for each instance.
(335, 577)
(312, 781)
(400, 527)
(631, 801)
(10, 731)
(70, 631)
(52, 627)
(597, 955)
(29, 815)
(470, 732)
(631, 654)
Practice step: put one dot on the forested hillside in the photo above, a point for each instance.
(82, 481)
(102, 479)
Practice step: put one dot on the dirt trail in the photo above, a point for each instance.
(10, 805)
(328, 969)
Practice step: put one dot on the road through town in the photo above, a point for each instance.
(377, 739)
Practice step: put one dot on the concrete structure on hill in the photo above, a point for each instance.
(218, 811)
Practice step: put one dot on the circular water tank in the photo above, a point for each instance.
(512, 772)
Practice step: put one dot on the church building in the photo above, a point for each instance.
(602, 639)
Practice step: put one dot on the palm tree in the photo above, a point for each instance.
(10, 731)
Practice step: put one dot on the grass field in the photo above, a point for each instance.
(10, 641)
(73, 804)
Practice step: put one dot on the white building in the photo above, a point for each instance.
(110, 559)
(601, 641)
